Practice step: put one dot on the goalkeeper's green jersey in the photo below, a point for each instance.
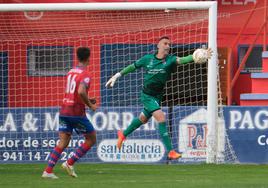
(158, 71)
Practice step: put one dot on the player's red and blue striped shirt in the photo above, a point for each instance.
(72, 104)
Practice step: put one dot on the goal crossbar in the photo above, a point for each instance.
(106, 6)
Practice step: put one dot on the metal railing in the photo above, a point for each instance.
(231, 80)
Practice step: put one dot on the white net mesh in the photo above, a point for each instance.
(38, 48)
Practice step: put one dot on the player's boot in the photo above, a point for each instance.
(69, 169)
(120, 140)
(174, 155)
(49, 175)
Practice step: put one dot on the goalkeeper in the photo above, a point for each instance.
(158, 69)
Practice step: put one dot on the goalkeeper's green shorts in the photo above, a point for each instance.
(150, 104)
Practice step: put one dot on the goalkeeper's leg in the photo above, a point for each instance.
(135, 124)
(160, 118)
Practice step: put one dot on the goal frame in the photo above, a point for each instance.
(212, 101)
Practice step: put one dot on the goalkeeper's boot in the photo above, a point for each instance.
(121, 139)
(49, 175)
(173, 155)
(69, 169)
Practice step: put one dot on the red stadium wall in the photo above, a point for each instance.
(25, 90)
(21, 84)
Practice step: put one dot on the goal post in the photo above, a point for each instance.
(38, 37)
(212, 105)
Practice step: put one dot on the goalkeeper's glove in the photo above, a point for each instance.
(112, 80)
(201, 55)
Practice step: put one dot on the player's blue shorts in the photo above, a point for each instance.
(81, 125)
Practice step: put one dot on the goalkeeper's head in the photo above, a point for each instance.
(163, 46)
(83, 55)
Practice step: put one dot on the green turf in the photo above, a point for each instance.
(129, 176)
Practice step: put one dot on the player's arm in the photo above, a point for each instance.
(184, 60)
(130, 68)
(126, 70)
(82, 92)
(200, 55)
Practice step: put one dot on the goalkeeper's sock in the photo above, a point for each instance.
(136, 123)
(164, 135)
(53, 158)
(80, 152)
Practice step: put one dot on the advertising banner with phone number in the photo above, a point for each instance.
(29, 134)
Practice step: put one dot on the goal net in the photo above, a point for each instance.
(37, 48)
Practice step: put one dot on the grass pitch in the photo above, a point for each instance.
(137, 176)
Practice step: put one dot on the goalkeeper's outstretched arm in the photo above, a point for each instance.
(126, 70)
(200, 55)
(185, 60)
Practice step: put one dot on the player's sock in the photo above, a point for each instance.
(80, 152)
(53, 158)
(164, 135)
(136, 123)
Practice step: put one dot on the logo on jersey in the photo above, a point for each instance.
(156, 71)
(86, 80)
(151, 64)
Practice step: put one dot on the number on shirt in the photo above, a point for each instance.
(70, 88)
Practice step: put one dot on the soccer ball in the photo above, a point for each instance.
(200, 55)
